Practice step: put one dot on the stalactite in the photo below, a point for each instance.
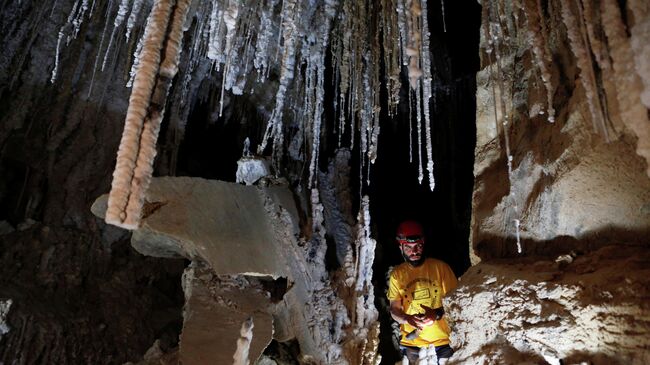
(274, 127)
(99, 51)
(403, 31)
(214, 50)
(264, 38)
(224, 33)
(391, 43)
(640, 47)
(136, 61)
(133, 17)
(319, 70)
(414, 27)
(418, 118)
(121, 14)
(60, 39)
(78, 20)
(410, 119)
(146, 108)
(628, 86)
(591, 18)
(230, 18)
(426, 92)
(580, 48)
(537, 38)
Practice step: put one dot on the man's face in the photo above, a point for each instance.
(412, 248)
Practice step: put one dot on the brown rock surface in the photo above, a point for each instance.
(591, 308)
(243, 230)
(215, 309)
(222, 224)
(570, 188)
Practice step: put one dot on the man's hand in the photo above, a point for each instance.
(431, 315)
(416, 320)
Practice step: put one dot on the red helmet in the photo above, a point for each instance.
(409, 230)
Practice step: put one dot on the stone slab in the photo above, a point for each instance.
(225, 225)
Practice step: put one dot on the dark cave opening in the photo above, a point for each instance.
(395, 193)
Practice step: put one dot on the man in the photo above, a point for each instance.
(416, 289)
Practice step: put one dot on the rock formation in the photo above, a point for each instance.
(561, 171)
(341, 103)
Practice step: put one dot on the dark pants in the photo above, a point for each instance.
(413, 353)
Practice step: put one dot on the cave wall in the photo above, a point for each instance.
(560, 220)
(580, 181)
(80, 293)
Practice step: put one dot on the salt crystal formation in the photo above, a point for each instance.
(146, 108)
(243, 343)
(291, 37)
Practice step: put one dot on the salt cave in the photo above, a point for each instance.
(219, 181)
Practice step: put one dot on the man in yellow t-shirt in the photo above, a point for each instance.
(416, 289)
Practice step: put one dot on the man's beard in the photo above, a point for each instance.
(414, 263)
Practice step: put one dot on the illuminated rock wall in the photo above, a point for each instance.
(572, 175)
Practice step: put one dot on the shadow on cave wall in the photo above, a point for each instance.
(499, 247)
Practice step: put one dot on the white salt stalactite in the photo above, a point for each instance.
(265, 34)
(127, 155)
(403, 29)
(214, 48)
(244, 343)
(133, 18)
(517, 224)
(99, 50)
(274, 127)
(136, 61)
(418, 118)
(319, 65)
(410, 101)
(426, 91)
(317, 118)
(231, 16)
(365, 116)
(121, 14)
(71, 16)
(77, 21)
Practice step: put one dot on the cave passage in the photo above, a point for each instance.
(394, 191)
(212, 145)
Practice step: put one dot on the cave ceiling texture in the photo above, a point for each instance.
(219, 181)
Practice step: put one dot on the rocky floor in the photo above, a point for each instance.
(580, 308)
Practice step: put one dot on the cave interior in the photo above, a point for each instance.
(540, 126)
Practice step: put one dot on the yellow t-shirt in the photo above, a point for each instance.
(426, 284)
